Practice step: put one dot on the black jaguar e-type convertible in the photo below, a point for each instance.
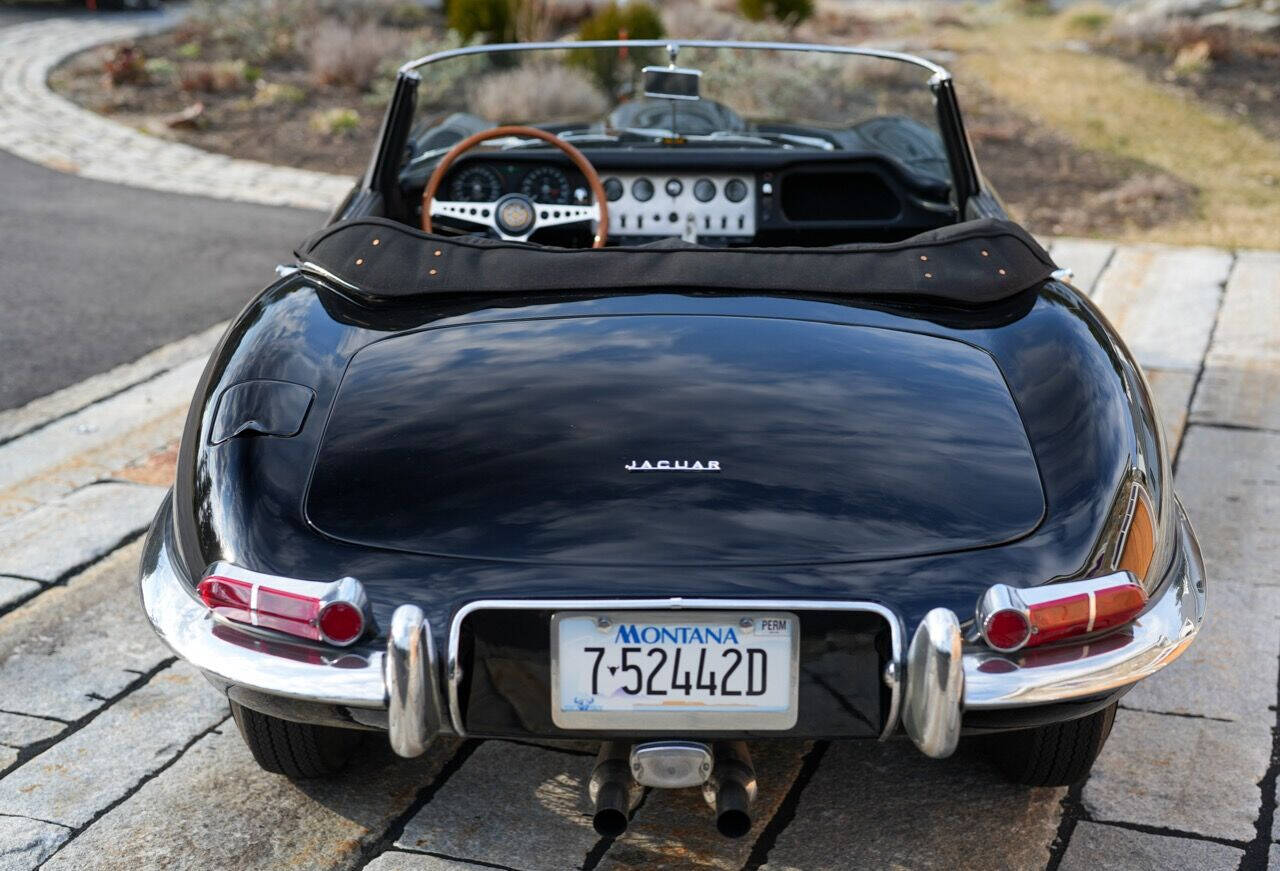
(673, 396)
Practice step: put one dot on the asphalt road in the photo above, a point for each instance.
(95, 274)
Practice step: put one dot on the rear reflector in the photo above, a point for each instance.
(317, 611)
(1011, 618)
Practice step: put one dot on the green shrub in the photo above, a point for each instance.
(788, 11)
(336, 122)
(636, 20)
(495, 20)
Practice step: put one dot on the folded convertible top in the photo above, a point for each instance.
(974, 262)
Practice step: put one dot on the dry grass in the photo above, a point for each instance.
(1106, 104)
(526, 93)
(349, 56)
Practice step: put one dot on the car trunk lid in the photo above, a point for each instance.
(673, 440)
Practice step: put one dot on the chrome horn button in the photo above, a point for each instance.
(514, 214)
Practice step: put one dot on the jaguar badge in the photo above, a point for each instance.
(673, 466)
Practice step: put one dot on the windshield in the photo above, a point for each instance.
(801, 100)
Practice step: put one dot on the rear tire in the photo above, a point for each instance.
(1058, 754)
(299, 751)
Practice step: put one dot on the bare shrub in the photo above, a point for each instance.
(692, 19)
(345, 56)
(214, 78)
(552, 92)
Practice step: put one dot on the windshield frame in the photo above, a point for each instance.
(382, 176)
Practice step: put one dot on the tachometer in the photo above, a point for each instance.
(475, 184)
(546, 184)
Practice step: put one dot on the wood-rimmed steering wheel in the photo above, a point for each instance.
(516, 216)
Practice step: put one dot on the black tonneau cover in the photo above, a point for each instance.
(974, 262)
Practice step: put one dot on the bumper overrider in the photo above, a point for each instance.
(936, 682)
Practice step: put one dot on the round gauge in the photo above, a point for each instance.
(612, 189)
(475, 184)
(546, 184)
(704, 190)
(642, 189)
(735, 190)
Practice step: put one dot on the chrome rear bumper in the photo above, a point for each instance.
(399, 686)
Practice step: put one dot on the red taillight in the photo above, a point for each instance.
(341, 622)
(1014, 618)
(320, 617)
(1007, 629)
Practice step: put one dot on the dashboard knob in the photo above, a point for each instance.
(704, 190)
(642, 189)
(674, 187)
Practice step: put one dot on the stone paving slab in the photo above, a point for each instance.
(511, 805)
(873, 805)
(90, 523)
(1181, 773)
(82, 775)
(19, 730)
(397, 861)
(675, 829)
(221, 811)
(15, 589)
(1086, 258)
(1097, 846)
(1241, 383)
(1229, 481)
(1229, 673)
(42, 127)
(24, 843)
(68, 649)
(83, 447)
(1171, 392)
(1164, 301)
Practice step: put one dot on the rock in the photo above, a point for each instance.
(1096, 846)
(24, 843)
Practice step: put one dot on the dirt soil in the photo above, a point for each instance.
(1054, 188)
(1245, 87)
(271, 119)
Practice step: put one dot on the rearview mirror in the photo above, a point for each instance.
(672, 83)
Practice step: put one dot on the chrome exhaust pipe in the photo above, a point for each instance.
(613, 790)
(731, 789)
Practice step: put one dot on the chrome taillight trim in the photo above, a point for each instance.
(453, 666)
(347, 590)
(1002, 597)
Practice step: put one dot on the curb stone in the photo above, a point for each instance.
(38, 125)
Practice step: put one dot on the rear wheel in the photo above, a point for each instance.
(299, 751)
(1058, 754)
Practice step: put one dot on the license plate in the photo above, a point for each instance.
(676, 670)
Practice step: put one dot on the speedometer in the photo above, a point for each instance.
(546, 184)
(475, 184)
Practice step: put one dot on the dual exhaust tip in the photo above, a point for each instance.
(723, 771)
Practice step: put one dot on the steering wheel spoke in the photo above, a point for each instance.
(471, 213)
(553, 215)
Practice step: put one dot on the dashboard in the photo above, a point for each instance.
(712, 196)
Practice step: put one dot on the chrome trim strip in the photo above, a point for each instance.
(413, 715)
(935, 684)
(320, 272)
(939, 73)
(453, 668)
(1055, 673)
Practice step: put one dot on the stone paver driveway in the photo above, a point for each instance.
(113, 755)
